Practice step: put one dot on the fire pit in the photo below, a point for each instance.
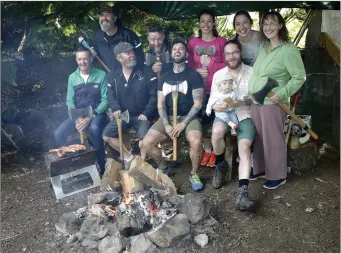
(147, 220)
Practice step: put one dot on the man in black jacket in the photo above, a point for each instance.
(113, 32)
(158, 44)
(134, 89)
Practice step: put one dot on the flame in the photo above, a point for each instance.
(153, 208)
(110, 210)
(128, 198)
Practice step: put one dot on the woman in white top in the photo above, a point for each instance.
(248, 38)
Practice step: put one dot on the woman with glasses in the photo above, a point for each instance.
(207, 64)
(248, 38)
(279, 59)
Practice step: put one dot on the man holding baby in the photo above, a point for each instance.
(231, 84)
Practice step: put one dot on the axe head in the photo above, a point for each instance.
(180, 87)
(260, 95)
(80, 113)
(209, 51)
(151, 59)
(125, 116)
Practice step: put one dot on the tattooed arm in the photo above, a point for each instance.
(161, 107)
(198, 97)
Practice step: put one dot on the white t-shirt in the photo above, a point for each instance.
(85, 77)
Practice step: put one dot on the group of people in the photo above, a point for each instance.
(205, 72)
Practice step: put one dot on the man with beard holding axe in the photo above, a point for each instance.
(87, 90)
(158, 55)
(113, 32)
(180, 93)
(130, 89)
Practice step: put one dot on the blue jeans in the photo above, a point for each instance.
(68, 127)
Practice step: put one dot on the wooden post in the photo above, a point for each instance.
(130, 184)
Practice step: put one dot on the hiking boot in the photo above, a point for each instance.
(197, 185)
(243, 201)
(274, 184)
(205, 159)
(211, 162)
(166, 171)
(219, 174)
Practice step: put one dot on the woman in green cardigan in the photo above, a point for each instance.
(281, 60)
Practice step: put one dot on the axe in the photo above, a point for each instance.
(175, 89)
(81, 114)
(151, 59)
(266, 91)
(208, 51)
(86, 45)
(125, 117)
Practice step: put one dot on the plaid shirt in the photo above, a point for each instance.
(244, 111)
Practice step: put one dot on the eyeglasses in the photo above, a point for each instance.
(272, 25)
(233, 53)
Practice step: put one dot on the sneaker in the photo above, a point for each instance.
(243, 201)
(274, 184)
(166, 171)
(255, 177)
(211, 162)
(197, 185)
(219, 174)
(205, 159)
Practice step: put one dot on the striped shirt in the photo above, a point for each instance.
(243, 111)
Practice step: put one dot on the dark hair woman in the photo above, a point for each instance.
(248, 38)
(279, 59)
(207, 65)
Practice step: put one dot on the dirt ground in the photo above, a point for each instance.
(29, 211)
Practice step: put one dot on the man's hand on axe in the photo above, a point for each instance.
(176, 131)
(157, 67)
(275, 98)
(117, 114)
(142, 117)
(82, 124)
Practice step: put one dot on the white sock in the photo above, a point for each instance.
(207, 145)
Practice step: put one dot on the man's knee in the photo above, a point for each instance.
(150, 140)
(106, 138)
(244, 149)
(218, 134)
(195, 139)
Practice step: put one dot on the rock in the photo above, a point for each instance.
(141, 244)
(204, 226)
(96, 198)
(133, 224)
(72, 239)
(175, 200)
(201, 240)
(82, 212)
(68, 223)
(97, 210)
(113, 230)
(112, 244)
(166, 205)
(195, 207)
(170, 232)
(86, 243)
(94, 228)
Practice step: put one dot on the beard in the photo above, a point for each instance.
(178, 61)
(234, 65)
(130, 64)
(105, 25)
(158, 49)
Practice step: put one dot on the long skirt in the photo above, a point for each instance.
(270, 149)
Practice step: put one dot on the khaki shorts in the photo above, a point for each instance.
(245, 130)
(194, 125)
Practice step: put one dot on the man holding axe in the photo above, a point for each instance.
(158, 55)
(129, 89)
(86, 101)
(180, 97)
(113, 32)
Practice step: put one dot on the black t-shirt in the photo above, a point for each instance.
(190, 78)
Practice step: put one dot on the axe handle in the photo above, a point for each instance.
(158, 74)
(82, 137)
(295, 118)
(290, 120)
(120, 136)
(103, 64)
(175, 95)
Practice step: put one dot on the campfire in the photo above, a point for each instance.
(144, 216)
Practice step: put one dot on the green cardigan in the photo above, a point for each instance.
(284, 63)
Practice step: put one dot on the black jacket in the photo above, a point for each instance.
(138, 95)
(105, 48)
